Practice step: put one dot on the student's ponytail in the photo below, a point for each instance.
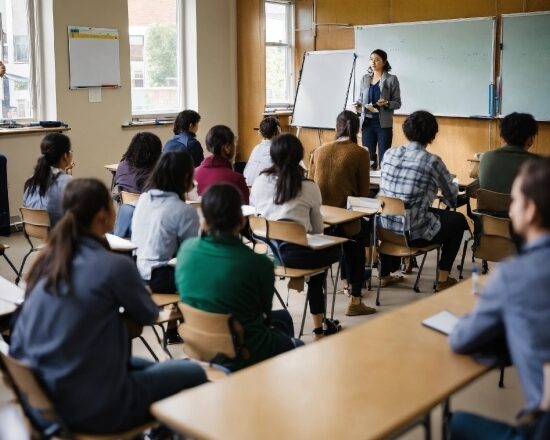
(347, 124)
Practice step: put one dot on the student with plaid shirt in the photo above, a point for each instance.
(414, 175)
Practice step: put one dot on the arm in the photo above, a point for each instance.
(196, 151)
(189, 223)
(266, 281)
(394, 101)
(444, 181)
(244, 190)
(315, 216)
(311, 172)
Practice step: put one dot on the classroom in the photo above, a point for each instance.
(275, 219)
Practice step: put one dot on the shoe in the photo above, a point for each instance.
(172, 337)
(390, 279)
(318, 333)
(359, 309)
(408, 265)
(331, 326)
(442, 285)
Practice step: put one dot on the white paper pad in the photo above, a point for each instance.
(248, 210)
(119, 244)
(317, 240)
(443, 322)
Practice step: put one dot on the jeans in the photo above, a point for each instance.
(282, 321)
(467, 426)
(372, 135)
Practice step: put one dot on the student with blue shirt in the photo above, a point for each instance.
(515, 306)
(70, 329)
(186, 126)
(44, 189)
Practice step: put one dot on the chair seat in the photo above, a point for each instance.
(165, 299)
(289, 272)
(396, 250)
(130, 434)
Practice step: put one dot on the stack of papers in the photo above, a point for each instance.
(364, 204)
(318, 240)
(443, 322)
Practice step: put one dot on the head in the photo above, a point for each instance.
(173, 173)
(221, 209)
(530, 207)
(347, 124)
(144, 150)
(269, 127)
(519, 129)
(187, 120)
(286, 153)
(379, 61)
(220, 141)
(88, 211)
(56, 152)
(420, 126)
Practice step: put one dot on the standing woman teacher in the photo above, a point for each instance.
(379, 96)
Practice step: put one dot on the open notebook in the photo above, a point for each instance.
(364, 204)
(443, 322)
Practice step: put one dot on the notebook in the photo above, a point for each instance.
(443, 322)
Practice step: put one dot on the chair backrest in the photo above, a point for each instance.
(283, 230)
(495, 243)
(211, 337)
(36, 222)
(492, 201)
(396, 207)
(128, 197)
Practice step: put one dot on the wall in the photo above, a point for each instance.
(96, 132)
(458, 138)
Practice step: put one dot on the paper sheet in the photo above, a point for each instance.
(443, 322)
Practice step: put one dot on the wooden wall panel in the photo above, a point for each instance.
(419, 10)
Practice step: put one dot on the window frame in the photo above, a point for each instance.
(290, 45)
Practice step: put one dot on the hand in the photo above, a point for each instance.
(382, 102)
(2, 69)
(357, 106)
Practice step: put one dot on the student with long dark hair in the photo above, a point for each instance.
(71, 332)
(44, 189)
(185, 139)
(137, 162)
(218, 273)
(283, 193)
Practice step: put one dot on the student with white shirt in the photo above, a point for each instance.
(44, 189)
(281, 192)
(260, 159)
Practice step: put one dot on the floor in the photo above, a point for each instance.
(482, 397)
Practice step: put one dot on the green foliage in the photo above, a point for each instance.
(160, 50)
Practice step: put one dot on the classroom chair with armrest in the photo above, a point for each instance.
(43, 418)
(271, 231)
(397, 244)
(211, 338)
(36, 225)
(3, 248)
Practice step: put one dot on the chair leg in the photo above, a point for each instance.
(501, 378)
(461, 267)
(415, 287)
(20, 273)
(148, 347)
(379, 281)
(164, 343)
(278, 295)
(437, 270)
(304, 315)
(11, 264)
(334, 293)
(427, 423)
(446, 418)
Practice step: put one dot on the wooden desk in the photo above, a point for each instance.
(336, 216)
(366, 382)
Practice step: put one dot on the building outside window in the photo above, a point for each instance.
(279, 41)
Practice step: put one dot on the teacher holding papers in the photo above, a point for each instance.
(379, 96)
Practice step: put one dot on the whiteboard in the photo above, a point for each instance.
(323, 88)
(93, 57)
(445, 67)
(525, 64)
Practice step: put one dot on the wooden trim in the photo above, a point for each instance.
(31, 130)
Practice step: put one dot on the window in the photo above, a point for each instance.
(154, 57)
(279, 57)
(16, 88)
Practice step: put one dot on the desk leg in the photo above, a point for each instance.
(112, 180)
(445, 419)
(427, 423)
(336, 284)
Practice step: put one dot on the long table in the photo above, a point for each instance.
(367, 382)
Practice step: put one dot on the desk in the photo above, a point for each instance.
(335, 216)
(366, 382)
(112, 169)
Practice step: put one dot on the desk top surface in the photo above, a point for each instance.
(366, 382)
(335, 216)
(111, 167)
(10, 296)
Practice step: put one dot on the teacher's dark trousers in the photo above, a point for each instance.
(372, 135)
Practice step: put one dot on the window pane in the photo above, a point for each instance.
(277, 75)
(153, 56)
(15, 90)
(276, 23)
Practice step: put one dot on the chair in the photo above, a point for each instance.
(212, 338)
(36, 224)
(31, 394)
(397, 244)
(495, 242)
(268, 231)
(128, 197)
(3, 248)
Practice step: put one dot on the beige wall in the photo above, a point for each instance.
(96, 132)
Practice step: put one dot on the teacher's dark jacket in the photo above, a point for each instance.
(389, 90)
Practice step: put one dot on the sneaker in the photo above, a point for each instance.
(359, 309)
(442, 285)
(172, 337)
(318, 333)
(390, 279)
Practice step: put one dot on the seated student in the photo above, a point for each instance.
(414, 175)
(138, 161)
(186, 126)
(44, 189)
(161, 221)
(281, 192)
(260, 158)
(70, 330)
(341, 169)
(498, 168)
(217, 273)
(515, 306)
(220, 141)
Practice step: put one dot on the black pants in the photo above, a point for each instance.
(302, 257)
(163, 280)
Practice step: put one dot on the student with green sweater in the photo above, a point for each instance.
(217, 273)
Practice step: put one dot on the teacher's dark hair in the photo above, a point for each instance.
(53, 147)
(382, 54)
(517, 128)
(535, 175)
(269, 127)
(217, 137)
(347, 124)
(286, 153)
(420, 126)
(221, 208)
(172, 173)
(82, 200)
(184, 120)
